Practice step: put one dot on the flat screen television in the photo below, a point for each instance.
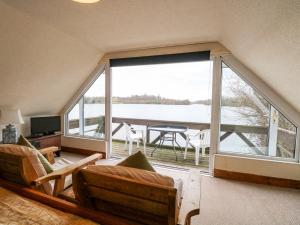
(44, 125)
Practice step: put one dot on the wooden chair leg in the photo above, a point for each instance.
(59, 185)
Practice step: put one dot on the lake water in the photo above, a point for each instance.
(186, 113)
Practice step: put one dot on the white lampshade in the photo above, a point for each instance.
(11, 116)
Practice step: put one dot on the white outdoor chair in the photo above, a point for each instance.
(199, 140)
(134, 135)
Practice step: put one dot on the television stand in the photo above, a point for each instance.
(46, 141)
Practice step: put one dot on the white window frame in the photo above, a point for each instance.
(265, 91)
(108, 108)
(215, 111)
(218, 54)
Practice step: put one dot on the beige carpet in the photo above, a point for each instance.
(225, 202)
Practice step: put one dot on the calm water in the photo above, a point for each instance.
(186, 113)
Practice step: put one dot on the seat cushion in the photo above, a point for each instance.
(61, 163)
(47, 166)
(138, 161)
(133, 173)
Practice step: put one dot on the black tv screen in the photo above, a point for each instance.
(45, 125)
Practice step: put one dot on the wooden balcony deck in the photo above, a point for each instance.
(165, 156)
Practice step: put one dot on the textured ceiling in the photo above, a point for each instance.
(51, 46)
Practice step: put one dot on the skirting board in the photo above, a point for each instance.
(81, 151)
(253, 178)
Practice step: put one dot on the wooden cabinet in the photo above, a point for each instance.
(46, 141)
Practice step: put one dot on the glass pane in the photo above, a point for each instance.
(73, 121)
(286, 138)
(244, 116)
(176, 94)
(250, 124)
(94, 109)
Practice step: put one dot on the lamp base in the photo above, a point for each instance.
(9, 134)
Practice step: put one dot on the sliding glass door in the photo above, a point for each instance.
(173, 95)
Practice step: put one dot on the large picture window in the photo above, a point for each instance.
(250, 124)
(175, 90)
(86, 118)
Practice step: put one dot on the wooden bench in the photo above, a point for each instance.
(16, 165)
(135, 200)
(189, 207)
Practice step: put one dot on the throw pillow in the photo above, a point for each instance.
(47, 166)
(137, 160)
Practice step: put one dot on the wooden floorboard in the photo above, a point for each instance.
(163, 156)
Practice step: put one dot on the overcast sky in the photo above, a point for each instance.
(177, 81)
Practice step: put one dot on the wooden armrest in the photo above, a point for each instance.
(48, 150)
(49, 153)
(190, 205)
(62, 173)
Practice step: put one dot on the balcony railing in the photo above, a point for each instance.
(226, 129)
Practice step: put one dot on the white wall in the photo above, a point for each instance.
(286, 170)
(40, 66)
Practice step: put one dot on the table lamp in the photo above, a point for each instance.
(10, 117)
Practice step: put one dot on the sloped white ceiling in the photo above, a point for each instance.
(40, 66)
(265, 35)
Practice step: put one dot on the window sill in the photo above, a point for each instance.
(84, 137)
(259, 157)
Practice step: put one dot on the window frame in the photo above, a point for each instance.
(236, 68)
(80, 102)
(218, 53)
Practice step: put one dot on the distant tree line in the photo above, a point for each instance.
(149, 99)
(94, 100)
(153, 99)
(145, 99)
(138, 99)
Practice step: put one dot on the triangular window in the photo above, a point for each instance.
(86, 118)
(250, 124)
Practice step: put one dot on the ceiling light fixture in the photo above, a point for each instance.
(86, 1)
